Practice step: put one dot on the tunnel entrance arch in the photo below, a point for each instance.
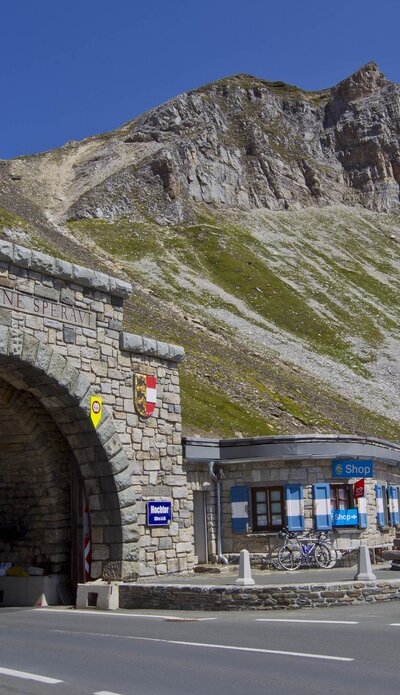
(50, 456)
(35, 486)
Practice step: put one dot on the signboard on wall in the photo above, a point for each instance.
(18, 301)
(359, 489)
(344, 517)
(159, 513)
(96, 409)
(342, 468)
(145, 394)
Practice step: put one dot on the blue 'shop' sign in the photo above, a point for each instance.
(352, 469)
(344, 517)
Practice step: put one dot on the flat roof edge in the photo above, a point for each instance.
(291, 448)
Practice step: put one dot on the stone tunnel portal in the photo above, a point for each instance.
(43, 487)
(62, 344)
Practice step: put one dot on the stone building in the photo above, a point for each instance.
(74, 491)
(246, 490)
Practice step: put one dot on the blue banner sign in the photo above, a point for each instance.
(344, 517)
(159, 513)
(352, 469)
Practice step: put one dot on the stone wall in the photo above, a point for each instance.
(157, 469)
(61, 341)
(226, 598)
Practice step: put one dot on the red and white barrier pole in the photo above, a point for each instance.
(87, 550)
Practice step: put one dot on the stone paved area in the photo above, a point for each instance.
(229, 575)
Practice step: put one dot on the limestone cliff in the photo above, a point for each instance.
(241, 143)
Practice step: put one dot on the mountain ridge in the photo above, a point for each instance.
(259, 225)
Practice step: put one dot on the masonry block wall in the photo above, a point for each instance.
(61, 341)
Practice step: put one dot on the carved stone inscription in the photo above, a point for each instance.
(9, 299)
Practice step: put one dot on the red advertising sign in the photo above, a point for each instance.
(359, 489)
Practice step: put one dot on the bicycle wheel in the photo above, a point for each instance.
(334, 556)
(289, 558)
(322, 555)
(271, 559)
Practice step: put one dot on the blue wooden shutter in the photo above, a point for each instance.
(362, 512)
(294, 496)
(393, 505)
(380, 514)
(240, 508)
(322, 506)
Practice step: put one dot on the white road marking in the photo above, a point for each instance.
(174, 619)
(120, 615)
(105, 692)
(295, 620)
(28, 676)
(208, 646)
(263, 651)
(394, 624)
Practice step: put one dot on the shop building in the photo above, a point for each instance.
(246, 490)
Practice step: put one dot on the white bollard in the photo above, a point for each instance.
(364, 572)
(245, 578)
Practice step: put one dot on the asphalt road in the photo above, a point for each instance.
(146, 653)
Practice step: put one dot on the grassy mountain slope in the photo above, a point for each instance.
(289, 320)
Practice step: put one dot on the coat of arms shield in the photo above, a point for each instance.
(145, 394)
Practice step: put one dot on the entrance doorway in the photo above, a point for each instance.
(41, 493)
(200, 526)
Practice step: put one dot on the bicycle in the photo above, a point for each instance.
(325, 540)
(298, 550)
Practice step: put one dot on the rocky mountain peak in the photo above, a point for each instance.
(364, 82)
(241, 143)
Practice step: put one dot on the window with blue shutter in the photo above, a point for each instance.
(294, 498)
(322, 506)
(240, 508)
(380, 512)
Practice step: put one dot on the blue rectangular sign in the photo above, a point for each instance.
(159, 513)
(342, 468)
(344, 517)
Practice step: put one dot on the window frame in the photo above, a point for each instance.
(269, 528)
(349, 495)
(386, 505)
(350, 501)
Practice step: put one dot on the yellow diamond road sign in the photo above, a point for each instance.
(96, 409)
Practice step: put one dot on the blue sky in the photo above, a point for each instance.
(77, 68)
